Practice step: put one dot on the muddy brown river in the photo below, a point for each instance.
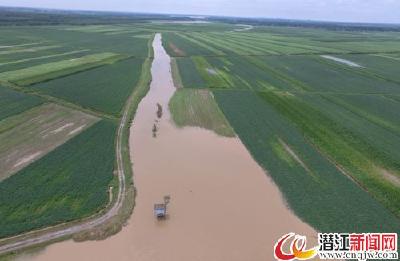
(223, 206)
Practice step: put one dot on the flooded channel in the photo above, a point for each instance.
(223, 206)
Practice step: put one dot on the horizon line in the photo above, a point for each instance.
(200, 15)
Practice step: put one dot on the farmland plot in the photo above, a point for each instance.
(351, 140)
(180, 46)
(53, 70)
(69, 183)
(233, 43)
(27, 50)
(378, 64)
(210, 74)
(238, 72)
(188, 73)
(326, 132)
(37, 60)
(12, 102)
(70, 40)
(32, 134)
(317, 74)
(377, 109)
(103, 89)
(57, 163)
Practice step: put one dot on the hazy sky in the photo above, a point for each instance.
(331, 10)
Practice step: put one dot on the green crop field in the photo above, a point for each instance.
(63, 89)
(317, 109)
(69, 183)
(29, 62)
(48, 71)
(105, 88)
(319, 193)
(29, 135)
(12, 102)
(351, 140)
(381, 65)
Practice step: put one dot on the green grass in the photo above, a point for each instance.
(54, 70)
(198, 108)
(320, 194)
(103, 89)
(69, 183)
(12, 102)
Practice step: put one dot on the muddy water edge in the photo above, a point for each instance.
(223, 205)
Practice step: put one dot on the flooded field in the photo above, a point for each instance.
(223, 206)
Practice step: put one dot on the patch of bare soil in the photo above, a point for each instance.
(391, 177)
(176, 50)
(30, 135)
(27, 159)
(294, 155)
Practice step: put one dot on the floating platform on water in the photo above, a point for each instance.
(160, 210)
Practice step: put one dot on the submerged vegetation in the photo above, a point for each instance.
(198, 108)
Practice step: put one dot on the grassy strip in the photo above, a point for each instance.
(42, 57)
(28, 50)
(191, 107)
(175, 74)
(290, 81)
(44, 72)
